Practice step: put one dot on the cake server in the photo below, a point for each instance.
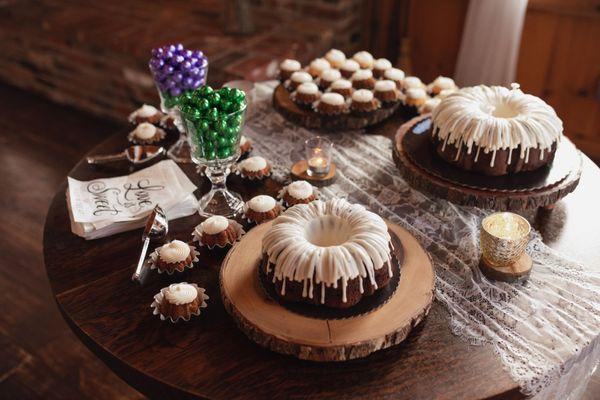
(135, 154)
(157, 227)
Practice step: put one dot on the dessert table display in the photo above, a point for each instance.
(543, 332)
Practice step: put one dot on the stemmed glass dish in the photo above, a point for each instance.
(177, 71)
(214, 120)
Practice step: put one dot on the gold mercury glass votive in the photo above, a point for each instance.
(503, 238)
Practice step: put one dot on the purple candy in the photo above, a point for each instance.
(198, 54)
(179, 59)
(194, 71)
(188, 53)
(172, 48)
(198, 83)
(186, 65)
(175, 92)
(168, 55)
(179, 47)
(189, 82)
(167, 69)
(178, 77)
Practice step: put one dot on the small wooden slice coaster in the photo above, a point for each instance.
(300, 171)
(271, 325)
(519, 270)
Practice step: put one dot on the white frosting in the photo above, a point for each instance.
(300, 190)
(145, 131)
(362, 96)
(335, 57)
(331, 75)
(335, 99)
(443, 82)
(341, 84)
(350, 65)
(385, 86)
(412, 82)
(494, 118)
(215, 224)
(243, 140)
(394, 74)
(290, 65)
(301, 77)
(364, 58)
(174, 252)
(308, 88)
(253, 164)
(262, 203)
(145, 111)
(319, 65)
(416, 93)
(445, 93)
(430, 105)
(180, 293)
(362, 74)
(327, 244)
(382, 64)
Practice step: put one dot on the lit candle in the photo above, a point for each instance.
(318, 153)
(504, 236)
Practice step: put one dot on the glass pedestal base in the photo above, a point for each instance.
(180, 151)
(220, 202)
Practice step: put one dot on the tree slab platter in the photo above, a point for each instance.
(519, 199)
(271, 325)
(313, 120)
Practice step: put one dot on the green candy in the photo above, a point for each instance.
(221, 125)
(232, 140)
(205, 91)
(237, 95)
(187, 110)
(203, 125)
(225, 92)
(209, 146)
(203, 105)
(232, 131)
(235, 120)
(224, 152)
(211, 134)
(210, 155)
(212, 114)
(226, 106)
(222, 142)
(215, 99)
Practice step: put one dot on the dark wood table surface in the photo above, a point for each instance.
(209, 357)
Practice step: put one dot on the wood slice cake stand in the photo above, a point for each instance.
(482, 194)
(273, 326)
(313, 120)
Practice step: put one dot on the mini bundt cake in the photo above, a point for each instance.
(331, 253)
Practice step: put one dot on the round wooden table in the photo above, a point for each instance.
(210, 358)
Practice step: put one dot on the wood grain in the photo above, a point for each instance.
(518, 270)
(90, 281)
(277, 328)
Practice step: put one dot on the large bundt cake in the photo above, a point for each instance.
(331, 253)
(495, 130)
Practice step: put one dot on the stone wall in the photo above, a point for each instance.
(93, 55)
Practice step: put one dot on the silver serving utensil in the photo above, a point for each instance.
(137, 154)
(157, 227)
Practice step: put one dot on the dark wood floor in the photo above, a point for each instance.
(39, 356)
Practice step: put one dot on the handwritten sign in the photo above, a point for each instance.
(131, 197)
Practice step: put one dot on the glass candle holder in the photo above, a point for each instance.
(177, 71)
(318, 155)
(214, 121)
(503, 238)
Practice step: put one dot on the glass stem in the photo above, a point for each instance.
(217, 177)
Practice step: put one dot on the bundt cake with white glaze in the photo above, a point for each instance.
(495, 130)
(331, 253)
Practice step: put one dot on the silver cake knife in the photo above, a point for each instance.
(157, 227)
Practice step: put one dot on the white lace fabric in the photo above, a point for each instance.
(545, 330)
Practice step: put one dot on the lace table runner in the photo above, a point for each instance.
(546, 330)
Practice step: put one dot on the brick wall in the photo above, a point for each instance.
(93, 55)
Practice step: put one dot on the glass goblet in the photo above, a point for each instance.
(214, 143)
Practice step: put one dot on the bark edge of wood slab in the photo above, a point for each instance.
(272, 326)
(421, 180)
(312, 120)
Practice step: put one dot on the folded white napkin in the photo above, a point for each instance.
(103, 207)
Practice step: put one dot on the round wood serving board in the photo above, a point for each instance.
(279, 329)
(521, 200)
(313, 120)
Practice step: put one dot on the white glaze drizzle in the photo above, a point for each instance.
(350, 65)
(362, 96)
(174, 252)
(301, 77)
(334, 99)
(213, 225)
(290, 65)
(364, 59)
(394, 74)
(335, 57)
(341, 84)
(145, 111)
(412, 82)
(318, 65)
(385, 86)
(300, 189)
(331, 75)
(144, 131)
(362, 74)
(308, 88)
(180, 293)
(382, 64)
(495, 118)
(262, 203)
(327, 243)
(253, 164)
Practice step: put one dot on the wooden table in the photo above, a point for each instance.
(209, 357)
